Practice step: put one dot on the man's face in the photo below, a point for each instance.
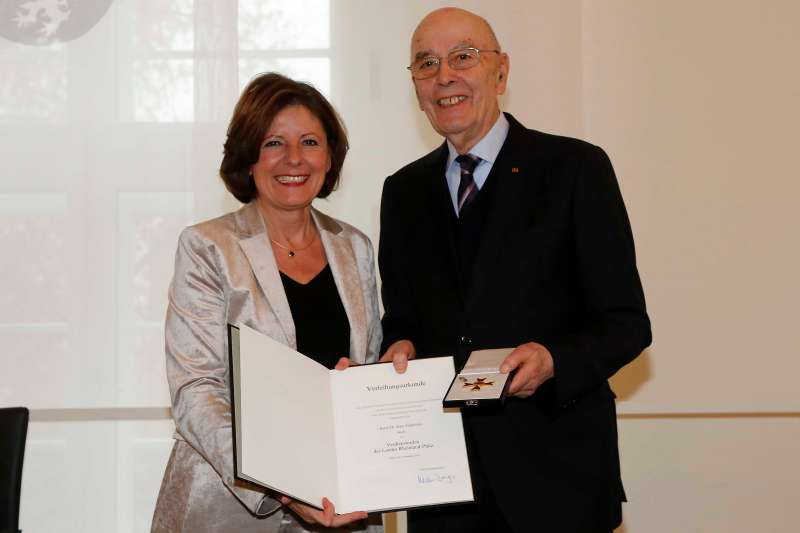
(460, 104)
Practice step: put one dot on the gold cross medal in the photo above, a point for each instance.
(480, 382)
(477, 384)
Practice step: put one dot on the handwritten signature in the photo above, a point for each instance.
(424, 479)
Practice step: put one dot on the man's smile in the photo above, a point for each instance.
(450, 100)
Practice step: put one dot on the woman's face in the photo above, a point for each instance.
(293, 161)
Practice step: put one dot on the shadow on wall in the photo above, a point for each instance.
(425, 130)
(227, 202)
(631, 377)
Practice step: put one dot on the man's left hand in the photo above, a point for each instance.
(534, 366)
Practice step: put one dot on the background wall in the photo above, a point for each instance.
(112, 120)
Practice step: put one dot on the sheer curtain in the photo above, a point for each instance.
(113, 116)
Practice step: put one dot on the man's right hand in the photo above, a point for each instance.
(399, 353)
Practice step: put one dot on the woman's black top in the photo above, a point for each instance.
(320, 321)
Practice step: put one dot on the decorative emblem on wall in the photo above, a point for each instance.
(44, 22)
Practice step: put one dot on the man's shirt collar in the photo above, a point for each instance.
(488, 147)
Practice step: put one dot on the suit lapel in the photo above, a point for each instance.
(255, 245)
(341, 258)
(344, 268)
(508, 177)
(443, 219)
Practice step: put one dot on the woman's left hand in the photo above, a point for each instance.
(327, 517)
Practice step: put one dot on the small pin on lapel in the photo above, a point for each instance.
(515, 170)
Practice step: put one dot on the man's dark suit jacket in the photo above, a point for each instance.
(555, 264)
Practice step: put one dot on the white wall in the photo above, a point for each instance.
(697, 105)
(111, 143)
(696, 102)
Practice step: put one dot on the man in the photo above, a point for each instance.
(508, 237)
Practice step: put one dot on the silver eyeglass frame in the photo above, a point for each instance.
(453, 53)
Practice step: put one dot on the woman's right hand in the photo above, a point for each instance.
(327, 517)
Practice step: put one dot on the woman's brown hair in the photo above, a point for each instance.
(263, 98)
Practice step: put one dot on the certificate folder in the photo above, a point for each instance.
(480, 383)
(366, 438)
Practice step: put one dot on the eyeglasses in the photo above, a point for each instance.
(461, 59)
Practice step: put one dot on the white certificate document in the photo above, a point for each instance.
(366, 438)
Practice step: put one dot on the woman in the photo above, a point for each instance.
(279, 266)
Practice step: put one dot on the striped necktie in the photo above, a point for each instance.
(467, 190)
